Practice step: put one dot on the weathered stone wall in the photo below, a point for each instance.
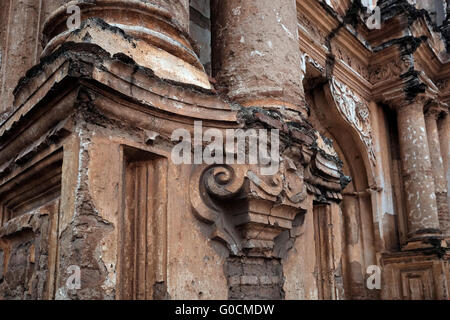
(185, 264)
(26, 255)
(87, 180)
(254, 279)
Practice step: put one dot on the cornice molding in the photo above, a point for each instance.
(375, 74)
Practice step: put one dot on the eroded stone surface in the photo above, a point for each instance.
(86, 177)
(251, 38)
(418, 175)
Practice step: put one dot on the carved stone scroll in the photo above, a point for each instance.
(246, 209)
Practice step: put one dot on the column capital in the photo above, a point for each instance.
(411, 88)
(435, 109)
(420, 101)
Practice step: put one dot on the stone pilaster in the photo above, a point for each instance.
(440, 183)
(418, 179)
(256, 52)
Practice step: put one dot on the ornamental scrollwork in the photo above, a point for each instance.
(356, 111)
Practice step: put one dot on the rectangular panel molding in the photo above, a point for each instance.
(144, 230)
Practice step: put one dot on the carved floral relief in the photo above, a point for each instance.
(356, 112)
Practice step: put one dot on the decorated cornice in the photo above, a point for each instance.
(372, 62)
(68, 81)
(388, 66)
(412, 88)
(334, 45)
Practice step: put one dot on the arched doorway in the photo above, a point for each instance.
(359, 247)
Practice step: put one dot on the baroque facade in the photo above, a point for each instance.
(86, 177)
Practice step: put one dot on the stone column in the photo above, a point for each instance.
(440, 183)
(417, 173)
(444, 136)
(256, 56)
(137, 13)
(19, 31)
(159, 31)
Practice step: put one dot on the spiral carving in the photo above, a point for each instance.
(224, 181)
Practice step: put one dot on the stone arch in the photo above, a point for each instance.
(357, 208)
